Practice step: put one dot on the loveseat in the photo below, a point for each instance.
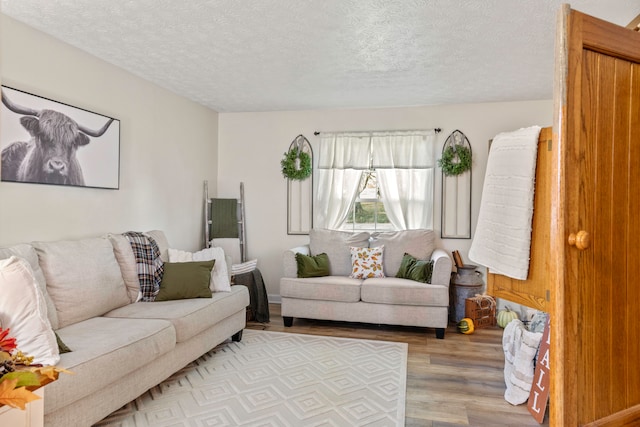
(119, 347)
(336, 295)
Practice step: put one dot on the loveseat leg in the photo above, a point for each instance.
(237, 337)
(288, 321)
(440, 333)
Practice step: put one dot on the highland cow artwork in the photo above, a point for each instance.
(46, 142)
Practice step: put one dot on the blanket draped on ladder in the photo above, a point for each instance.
(502, 240)
(224, 215)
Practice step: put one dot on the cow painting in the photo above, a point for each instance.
(50, 156)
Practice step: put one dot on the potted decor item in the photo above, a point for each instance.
(467, 282)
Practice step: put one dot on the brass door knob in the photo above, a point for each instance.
(581, 240)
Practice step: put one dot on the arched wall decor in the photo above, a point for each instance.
(300, 193)
(456, 187)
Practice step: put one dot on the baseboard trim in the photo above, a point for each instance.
(274, 299)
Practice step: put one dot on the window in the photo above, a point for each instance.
(367, 211)
(375, 180)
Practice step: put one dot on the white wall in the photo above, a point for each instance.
(168, 147)
(251, 146)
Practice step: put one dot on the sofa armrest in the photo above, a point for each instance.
(289, 260)
(442, 266)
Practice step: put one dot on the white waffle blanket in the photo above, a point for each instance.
(502, 240)
(520, 347)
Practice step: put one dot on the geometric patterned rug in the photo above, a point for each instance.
(279, 379)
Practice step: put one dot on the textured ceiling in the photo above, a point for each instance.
(266, 55)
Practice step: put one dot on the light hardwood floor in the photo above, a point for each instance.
(451, 382)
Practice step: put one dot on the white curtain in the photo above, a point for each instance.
(405, 168)
(337, 189)
(407, 195)
(342, 159)
(404, 161)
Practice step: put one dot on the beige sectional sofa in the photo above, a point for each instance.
(388, 300)
(120, 348)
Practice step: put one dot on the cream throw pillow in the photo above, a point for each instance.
(29, 254)
(219, 281)
(24, 311)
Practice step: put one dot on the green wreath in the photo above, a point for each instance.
(455, 160)
(296, 170)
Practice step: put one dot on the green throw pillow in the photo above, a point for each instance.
(406, 263)
(183, 280)
(62, 347)
(415, 269)
(421, 271)
(312, 266)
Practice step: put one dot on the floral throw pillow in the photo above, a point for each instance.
(366, 262)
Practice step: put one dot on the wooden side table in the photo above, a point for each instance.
(32, 416)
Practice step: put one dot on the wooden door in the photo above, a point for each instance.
(596, 310)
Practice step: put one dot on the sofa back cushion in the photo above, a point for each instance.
(127, 262)
(337, 244)
(161, 241)
(419, 243)
(83, 278)
(28, 253)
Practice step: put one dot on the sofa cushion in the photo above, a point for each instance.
(421, 271)
(183, 280)
(83, 278)
(161, 241)
(312, 266)
(24, 312)
(188, 316)
(62, 347)
(329, 288)
(419, 243)
(337, 244)
(127, 262)
(391, 290)
(219, 280)
(366, 262)
(105, 350)
(29, 253)
(406, 264)
(415, 269)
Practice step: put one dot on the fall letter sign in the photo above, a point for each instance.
(539, 394)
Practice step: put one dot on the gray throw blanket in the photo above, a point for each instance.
(259, 304)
